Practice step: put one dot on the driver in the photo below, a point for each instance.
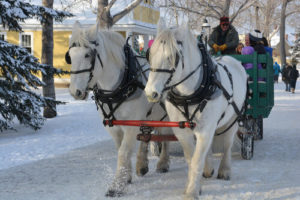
(224, 37)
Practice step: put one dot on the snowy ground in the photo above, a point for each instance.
(73, 158)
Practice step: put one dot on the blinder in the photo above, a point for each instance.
(68, 58)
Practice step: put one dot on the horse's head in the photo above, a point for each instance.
(166, 61)
(82, 54)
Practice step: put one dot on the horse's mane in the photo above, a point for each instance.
(109, 41)
(113, 44)
(167, 37)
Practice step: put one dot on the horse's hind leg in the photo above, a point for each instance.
(225, 165)
(142, 159)
(124, 168)
(164, 159)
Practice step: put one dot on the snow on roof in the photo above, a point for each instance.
(86, 14)
(276, 39)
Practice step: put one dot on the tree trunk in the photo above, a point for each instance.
(47, 58)
(104, 17)
(226, 8)
(282, 32)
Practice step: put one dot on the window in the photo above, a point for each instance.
(26, 41)
(2, 36)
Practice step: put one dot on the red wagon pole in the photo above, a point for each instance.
(147, 126)
(181, 124)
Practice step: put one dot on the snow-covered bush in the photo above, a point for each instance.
(19, 69)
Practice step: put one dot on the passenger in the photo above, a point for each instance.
(255, 39)
(254, 43)
(267, 47)
(239, 48)
(224, 38)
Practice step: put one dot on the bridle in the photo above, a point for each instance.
(172, 71)
(94, 56)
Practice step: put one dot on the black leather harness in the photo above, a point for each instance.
(202, 94)
(127, 87)
(208, 87)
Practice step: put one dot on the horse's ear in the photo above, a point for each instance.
(161, 25)
(76, 26)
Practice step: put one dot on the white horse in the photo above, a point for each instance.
(181, 68)
(98, 62)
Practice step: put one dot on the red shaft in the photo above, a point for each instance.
(149, 123)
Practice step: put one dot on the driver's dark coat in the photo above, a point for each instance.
(231, 39)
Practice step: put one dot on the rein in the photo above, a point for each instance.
(94, 55)
(205, 91)
(127, 87)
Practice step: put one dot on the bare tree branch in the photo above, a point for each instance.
(273, 32)
(110, 4)
(241, 9)
(211, 7)
(121, 14)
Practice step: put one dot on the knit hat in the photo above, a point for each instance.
(255, 35)
(224, 20)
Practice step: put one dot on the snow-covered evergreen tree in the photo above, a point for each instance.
(296, 49)
(19, 69)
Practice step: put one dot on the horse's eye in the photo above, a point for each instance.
(87, 55)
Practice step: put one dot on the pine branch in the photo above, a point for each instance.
(14, 11)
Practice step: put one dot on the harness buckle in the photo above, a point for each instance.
(145, 136)
(108, 122)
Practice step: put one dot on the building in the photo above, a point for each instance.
(141, 23)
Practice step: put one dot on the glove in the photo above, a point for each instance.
(223, 47)
(216, 47)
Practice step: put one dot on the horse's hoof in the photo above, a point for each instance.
(113, 193)
(143, 171)
(162, 170)
(208, 175)
(224, 177)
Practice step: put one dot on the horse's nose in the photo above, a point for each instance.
(154, 95)
(78, 93)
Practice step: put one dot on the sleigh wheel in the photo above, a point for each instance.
(247, 146)
(260, 130)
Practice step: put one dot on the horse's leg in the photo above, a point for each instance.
(187, 142)
(142, 159)
(164, 159)
(208, 170)
(204, 139)
(117, 136)
(225, 165)
(124, 169)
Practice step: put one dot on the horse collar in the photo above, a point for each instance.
(204, 92)
(126, 88)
